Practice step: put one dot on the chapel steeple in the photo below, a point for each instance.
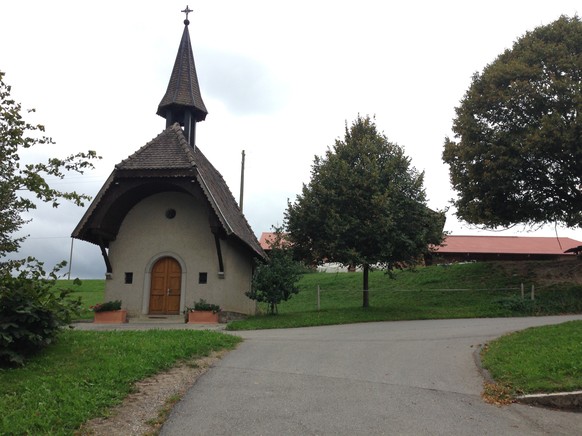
(182, 102)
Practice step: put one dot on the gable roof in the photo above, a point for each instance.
(507, 245)
(169, 155)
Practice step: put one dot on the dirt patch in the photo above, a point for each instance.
(546, 273)
(144, 411)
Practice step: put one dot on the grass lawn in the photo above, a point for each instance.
(539, 359)
(85, 373)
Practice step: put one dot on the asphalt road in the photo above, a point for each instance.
(393, 378)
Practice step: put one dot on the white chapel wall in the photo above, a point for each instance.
(146, 233)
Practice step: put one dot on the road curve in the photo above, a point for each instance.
(392, 378)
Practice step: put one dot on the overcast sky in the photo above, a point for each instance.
(279, 80)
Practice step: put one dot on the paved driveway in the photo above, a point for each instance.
(394, 378)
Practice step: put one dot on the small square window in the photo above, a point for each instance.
(128, 278)
(202, 278)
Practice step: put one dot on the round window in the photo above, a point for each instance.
(170, 213)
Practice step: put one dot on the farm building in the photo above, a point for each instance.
(472, 248)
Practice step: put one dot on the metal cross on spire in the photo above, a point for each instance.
(187, 11)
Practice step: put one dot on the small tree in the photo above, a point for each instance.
(365, 205)
(275, 280)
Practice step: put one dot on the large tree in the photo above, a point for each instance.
(516, 156)
(23, 184)
(365, 205)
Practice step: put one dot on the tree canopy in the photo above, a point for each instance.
(22, 184)
(365, 205)
(32, 309)
(516, 156)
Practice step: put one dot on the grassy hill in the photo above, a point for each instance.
(484, 289)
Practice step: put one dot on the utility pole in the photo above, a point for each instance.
(71, 259)
(242, 180)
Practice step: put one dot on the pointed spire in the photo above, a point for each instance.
(182, 102)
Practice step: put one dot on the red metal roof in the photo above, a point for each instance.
(266, 239)
(507, 244)
(487, 244)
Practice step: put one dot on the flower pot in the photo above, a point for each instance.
(111, 317)
(202, 317)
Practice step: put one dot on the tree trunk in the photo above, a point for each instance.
(366, 298)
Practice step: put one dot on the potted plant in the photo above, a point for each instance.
(203, 313)
(109, 312)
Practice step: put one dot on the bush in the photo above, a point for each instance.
(107, 306)
(203, 306)
(548, 301)
(32, 311)
(516, 305)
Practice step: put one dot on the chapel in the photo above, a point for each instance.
(168, 227)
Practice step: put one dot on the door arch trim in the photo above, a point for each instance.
(148, 279)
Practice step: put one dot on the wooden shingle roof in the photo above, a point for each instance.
(168, 150)
(167, 157)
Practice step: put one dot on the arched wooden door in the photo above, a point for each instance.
(165, 287)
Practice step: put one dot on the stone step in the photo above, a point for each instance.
(157, 319)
